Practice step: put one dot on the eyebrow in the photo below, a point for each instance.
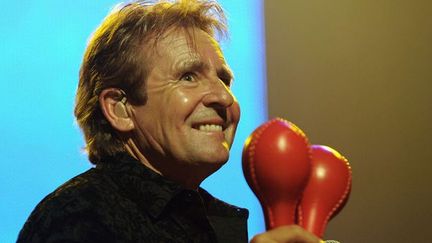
(194, 64)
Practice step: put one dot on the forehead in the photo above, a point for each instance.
(191, 42)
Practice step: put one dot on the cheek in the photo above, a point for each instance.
(183, 101)
(188, 94)
(235, 112)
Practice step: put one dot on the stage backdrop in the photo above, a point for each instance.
(357, 76)
(41, 46)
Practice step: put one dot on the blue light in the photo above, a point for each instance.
(245, 53)
(42, 45)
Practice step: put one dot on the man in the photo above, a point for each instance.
(158, 116)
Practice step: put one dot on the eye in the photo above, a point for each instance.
(226, 81)
(188, 76)
(225, 75)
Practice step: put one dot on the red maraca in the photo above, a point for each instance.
(327, 190)
(276, 164)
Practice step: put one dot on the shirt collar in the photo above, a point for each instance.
(154, 192)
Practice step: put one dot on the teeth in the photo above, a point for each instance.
(210, 128)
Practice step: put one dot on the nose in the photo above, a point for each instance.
(218, 95)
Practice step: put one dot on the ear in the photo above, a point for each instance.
(114, 110)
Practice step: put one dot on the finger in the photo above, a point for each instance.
(288, 234)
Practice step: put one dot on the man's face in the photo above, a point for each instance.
(191, 115)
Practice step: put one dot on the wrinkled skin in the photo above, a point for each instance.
(188, 86)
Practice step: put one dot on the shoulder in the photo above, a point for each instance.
(86, 190)
(71, 210)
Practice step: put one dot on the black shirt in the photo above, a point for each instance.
(121, 200)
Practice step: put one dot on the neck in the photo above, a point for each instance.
(188, 175)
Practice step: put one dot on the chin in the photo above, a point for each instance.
(206, 153)
(214, 157)
(218, 159)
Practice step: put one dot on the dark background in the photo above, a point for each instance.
(357, 76)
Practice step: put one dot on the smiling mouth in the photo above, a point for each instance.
(210, 128)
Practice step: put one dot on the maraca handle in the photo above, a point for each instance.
(281, 213)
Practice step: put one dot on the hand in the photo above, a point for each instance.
(286, 234)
